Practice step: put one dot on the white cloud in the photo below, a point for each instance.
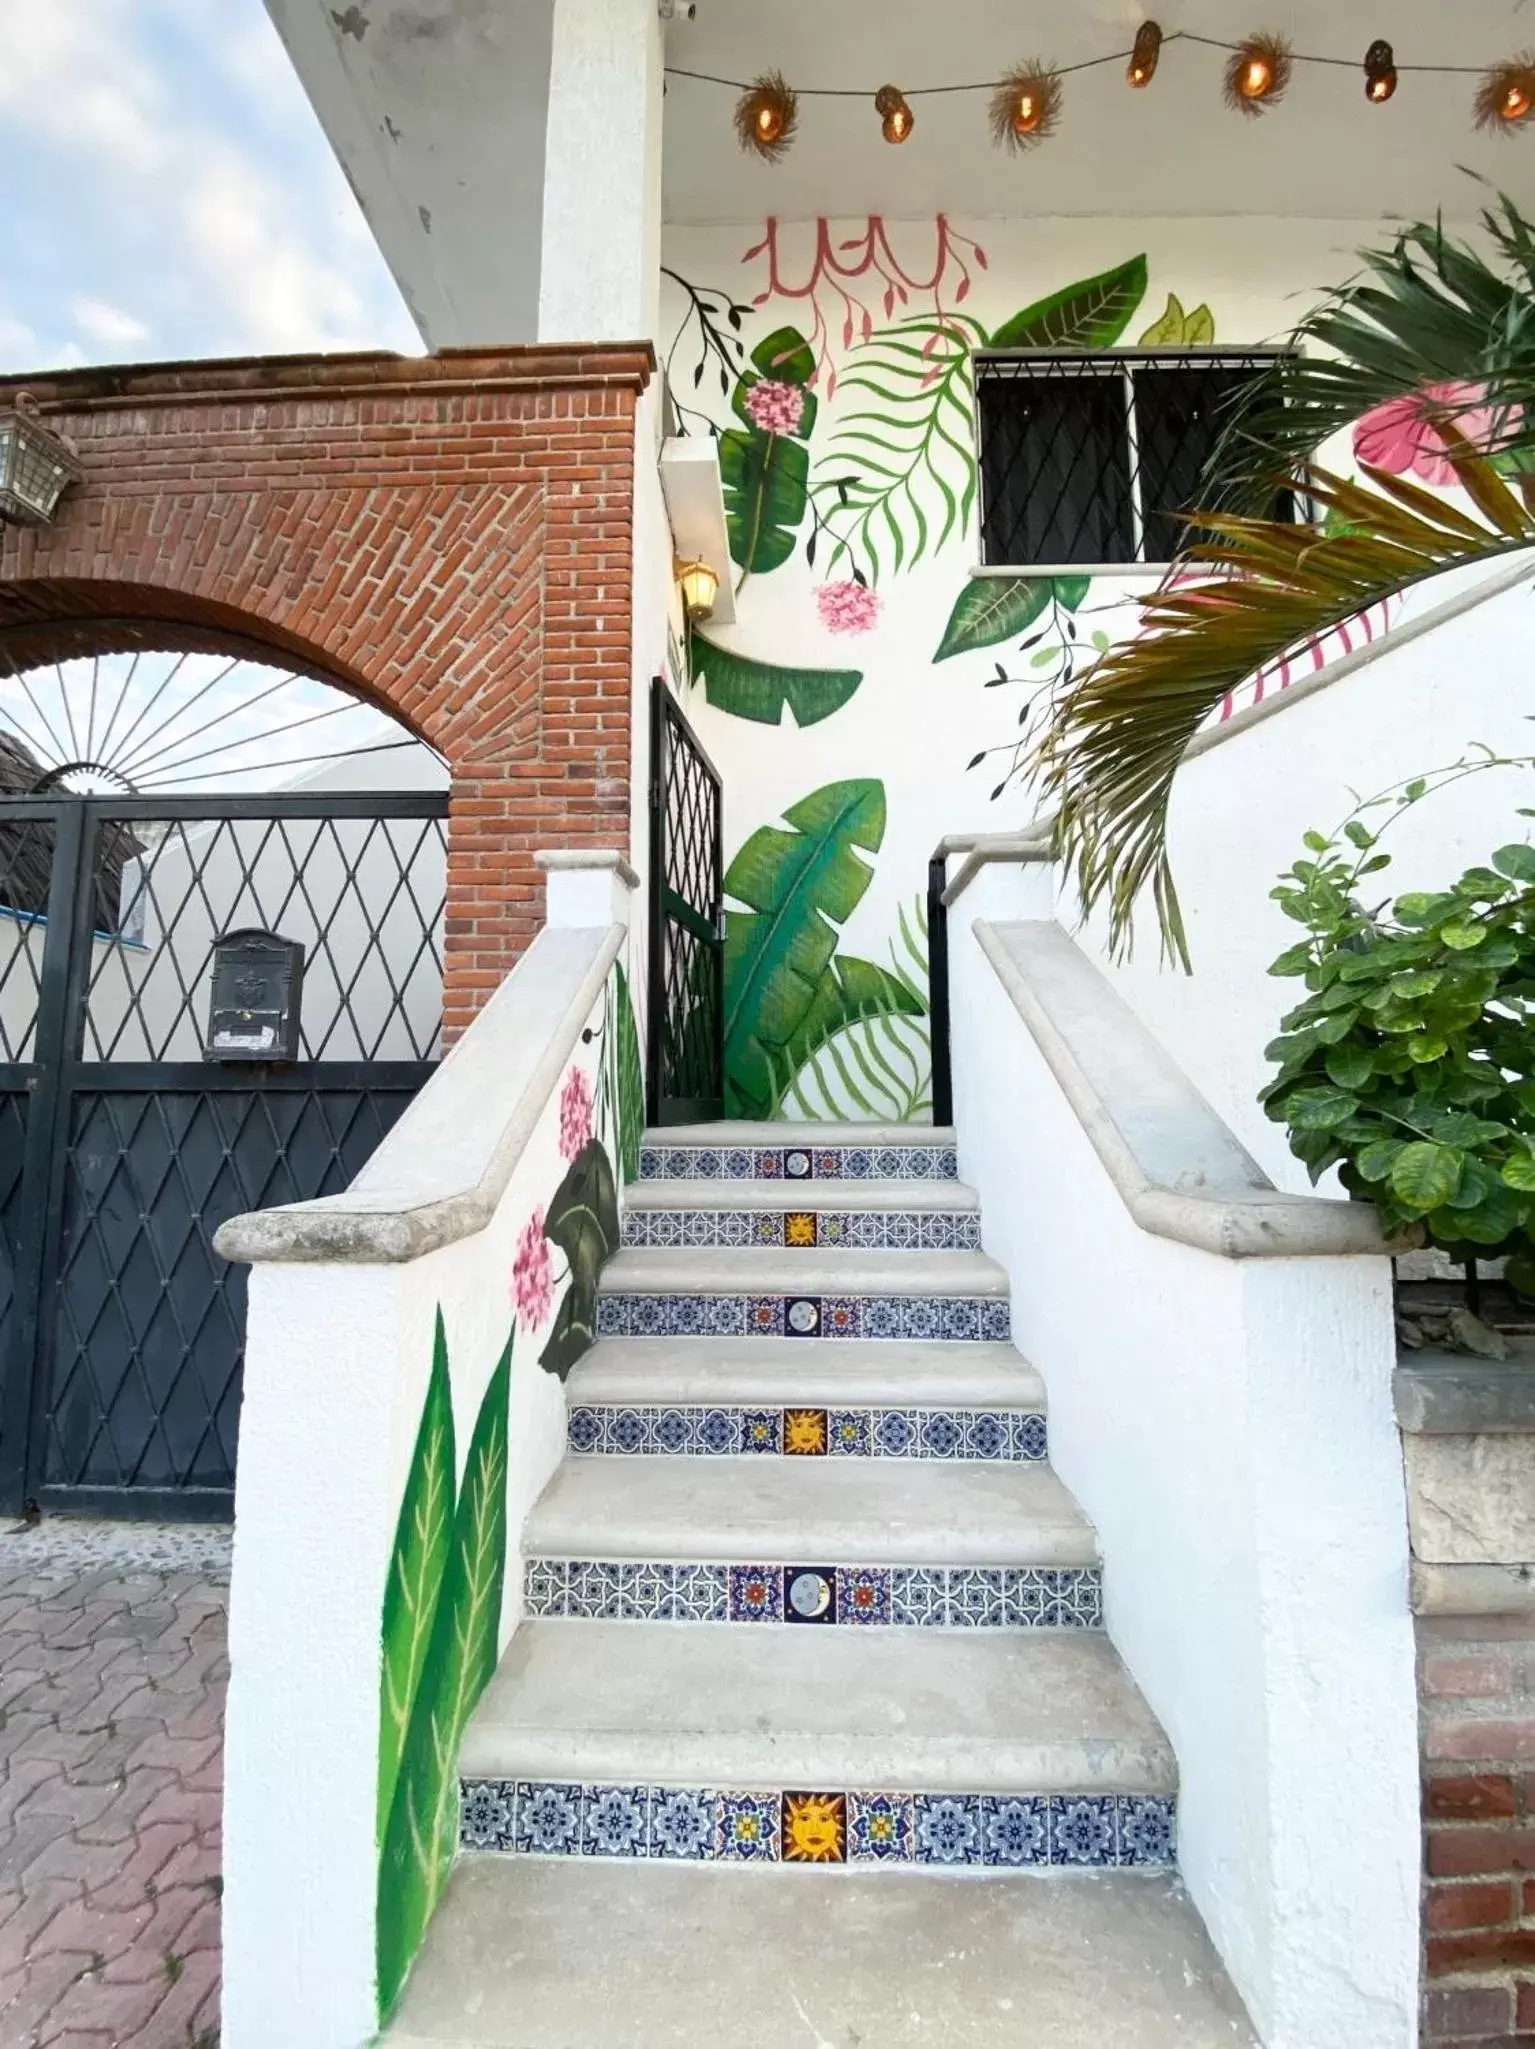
(101, 322)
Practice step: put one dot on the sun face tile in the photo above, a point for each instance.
(683, 1824)
(863, 1594)
(1015, 1831)
(948, 1828)
(809, 1594)
(615, 1821)
(798, 1228)
(814, 1828)
(485, 1814)
(756, 1593)
(804, 1433)
(880, 1828)
(750, 1828)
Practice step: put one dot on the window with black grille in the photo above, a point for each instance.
(1091, 461)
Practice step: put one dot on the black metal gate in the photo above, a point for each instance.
(685, 1080)
(122, 1148)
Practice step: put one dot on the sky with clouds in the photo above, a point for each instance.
(168, 192)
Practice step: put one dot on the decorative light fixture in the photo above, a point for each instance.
(1142, 67)
(1505, 98)
(766, 114)
(1379, 72)
(35, 464)
(1257, 73)
(1025, 107)
(699, 586)
(896, 118)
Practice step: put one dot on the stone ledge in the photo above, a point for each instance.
(1447, 1394)
(1473, 1589)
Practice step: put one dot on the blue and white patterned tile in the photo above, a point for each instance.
(764, 1316)
(948, 1828)
(767, 1228)
(863, 1595)
(857, 1164)
(736, 1163)
(645, 1592)
(894, 1433)
(583, 1429)
(543, 1587)
(850, 1433)
(919, 1596)
(725, 1316)
(1146, 1830)
(592, 1589)
(613, 1316)
(940, 1434)
(548, 1819)
(615, 1821)
(718, 1433)
(750, 1826)
(1030, 1435)
(985, 1434)
(700, 1593)
(674, 1432)
(486, 1808)
(975, 1597)
(881, 1828)
(628, 1432)
(1015, 1830)
(996, 1322)
(683, 1824)
(841, 1317)
(1082, 1831)
(649, 1316)
(880, 1316)
(755, 1593)
(761, 1430)
(767, 1163)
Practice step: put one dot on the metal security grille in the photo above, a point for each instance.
(122, 1149)
(686, 1073)
(1090, 462)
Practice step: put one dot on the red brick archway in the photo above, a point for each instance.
(450, 537)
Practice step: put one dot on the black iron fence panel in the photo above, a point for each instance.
(686, 1080)
(122, 1147)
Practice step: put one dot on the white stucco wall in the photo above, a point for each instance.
(1228, 1427)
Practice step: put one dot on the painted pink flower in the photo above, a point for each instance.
(575, 1113)
(1400, 435)
(533, 1273)
(776, 407)
(849, 607)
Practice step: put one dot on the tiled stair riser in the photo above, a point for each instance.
(815, 1596)
(962, 1318)
(791, 1163)
(804, 1230)
(1016, 1435)
(933, 1831)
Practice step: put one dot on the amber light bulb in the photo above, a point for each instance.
(1257, 77)
(1516, 103)
(896, 118)
(1379, 72)
(769, 123)
(1143, 58)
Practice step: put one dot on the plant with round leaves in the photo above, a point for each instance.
(1410, 1066)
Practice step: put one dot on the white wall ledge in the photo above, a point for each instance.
(1177, 1167)
(441, 1171)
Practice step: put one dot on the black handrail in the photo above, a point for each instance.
(938, 987)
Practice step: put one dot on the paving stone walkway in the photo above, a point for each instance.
(112, 1676)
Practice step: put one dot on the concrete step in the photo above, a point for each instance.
(766, 1270)
(783, 1705)
(802, 1195)
(785, 1511)
(795, 1153)
(527, 1954)
(743, 1132)
(811, 1373)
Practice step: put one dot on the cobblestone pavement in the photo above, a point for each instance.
(112, 1675)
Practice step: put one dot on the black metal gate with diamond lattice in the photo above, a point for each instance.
(122, 1148)
(685, 1079)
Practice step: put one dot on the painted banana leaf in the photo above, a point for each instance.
(849, 993)
(460, 1658)
(583, 1222)
(766, 479)
(788, 358)
(760, 690)
(1092, 314)
(993, 608)
(630, 1091)
(416, 1566)
(800, 887)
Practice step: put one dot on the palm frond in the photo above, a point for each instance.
(1111, 746)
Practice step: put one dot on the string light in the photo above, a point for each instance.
(1505, 98)
(766, 114)
(1379, 72)
(1257, 73)
(1025, 107)
(1142, 68)
(896, 118)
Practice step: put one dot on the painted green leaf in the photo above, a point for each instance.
(850, 992)
(788, 358)
(1090, 315)
(993, 608)
(1179, 330)
(460, 1658)
(760, 690)
(583, 1222)
(415, 1570)
(800, 885)
(766, 477)
(631, 1081)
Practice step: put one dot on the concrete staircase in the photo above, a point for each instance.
(805, 1595)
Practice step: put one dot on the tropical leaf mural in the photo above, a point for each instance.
(1179, 330)
(783, 995)
(583, 1221)
(878, 1064)
(765, 462)
(416, 1846)
(628, 1076)
(758, 690)
(995, 608)
(1091, 314)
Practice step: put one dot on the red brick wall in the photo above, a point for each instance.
(451, 537)
(1476, 1686)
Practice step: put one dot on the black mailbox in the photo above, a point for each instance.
(258, 986)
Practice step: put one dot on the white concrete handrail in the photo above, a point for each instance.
(1177, 1168)
(1033, 842)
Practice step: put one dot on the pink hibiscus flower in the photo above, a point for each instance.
(575, 1113)
(1400, 435)
(849, 607)
(533, 1273)
(776, 407)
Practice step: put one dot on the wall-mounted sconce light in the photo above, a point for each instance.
(35, 465)
(700, 587)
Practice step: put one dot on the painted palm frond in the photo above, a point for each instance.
(1111, 746)
(1429, 312)
(897, 479)
(879, 1070)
